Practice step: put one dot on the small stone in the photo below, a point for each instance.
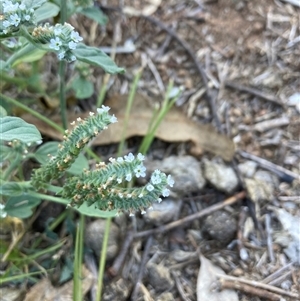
(117, 290)
(258, 190)
(162, 213)
(94, 237)
(167, 296)
(222, 177)
(159, 277)
(247, 168)
(220, 226)
(185, 170)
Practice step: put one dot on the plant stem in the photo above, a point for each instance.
(49, 197)
(103, 259)
(128, 109)
(77, 287)
(32, 112)
(62, 69)
(62, 94)
(166, 106)
(12, 166)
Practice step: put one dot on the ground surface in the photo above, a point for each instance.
(238, 62)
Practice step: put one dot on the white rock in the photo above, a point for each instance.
(222, 177)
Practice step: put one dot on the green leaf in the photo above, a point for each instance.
(50, 148)
(16, 128)
(95, 14)
(79, 165)
(34, 3)
(28, 53)
(3, 112)
(11, 189)
(21, 206)
(96, 57)
(46, 11)
(83, 88)
(91, 211)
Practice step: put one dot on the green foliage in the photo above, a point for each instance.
(49, 149)
(83, 88)
(93, 13)
(46, 11)
(21, 206)
(101, 192)
(15, 128)
(96, 57)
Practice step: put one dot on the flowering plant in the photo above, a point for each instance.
(103, 187)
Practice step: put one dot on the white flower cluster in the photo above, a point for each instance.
(15, 14)
(64, 40)
(140, 171)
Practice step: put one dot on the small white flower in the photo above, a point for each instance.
(128, 177)
(15, 20)
(73, 58)
(61, 55)
(129, 158)
(140, 171)
(3, 213)
(9, 7)
(156, 177)
(120, 159)
(143, 212)
(141, 195)
(131, 214)
(57, 31)
(103, 109)
(159, 200)
(170, 181)
(165, 192)
(22, 6)
(113, 119)
(76, 37)
(72, 45)
(6, 23)
(141, 157)
(149, 187)
(27, 17)
(55, 43)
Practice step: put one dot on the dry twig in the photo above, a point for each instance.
(256, 287)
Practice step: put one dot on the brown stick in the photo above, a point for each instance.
(280, 171)
(259, 285)
(255, 92)
(225, 284)
(192, 217)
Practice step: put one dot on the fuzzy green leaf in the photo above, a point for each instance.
(10, 189)
(34, 3)
(50, 148)
(82, 87)
(46, 11)
(96, 57)
(12, 128)
(94, 212)
(95, 14)
(21, 206)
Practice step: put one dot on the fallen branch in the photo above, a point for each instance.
(256, 288)
(190, 218)
(285, 174)
(255, 92)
